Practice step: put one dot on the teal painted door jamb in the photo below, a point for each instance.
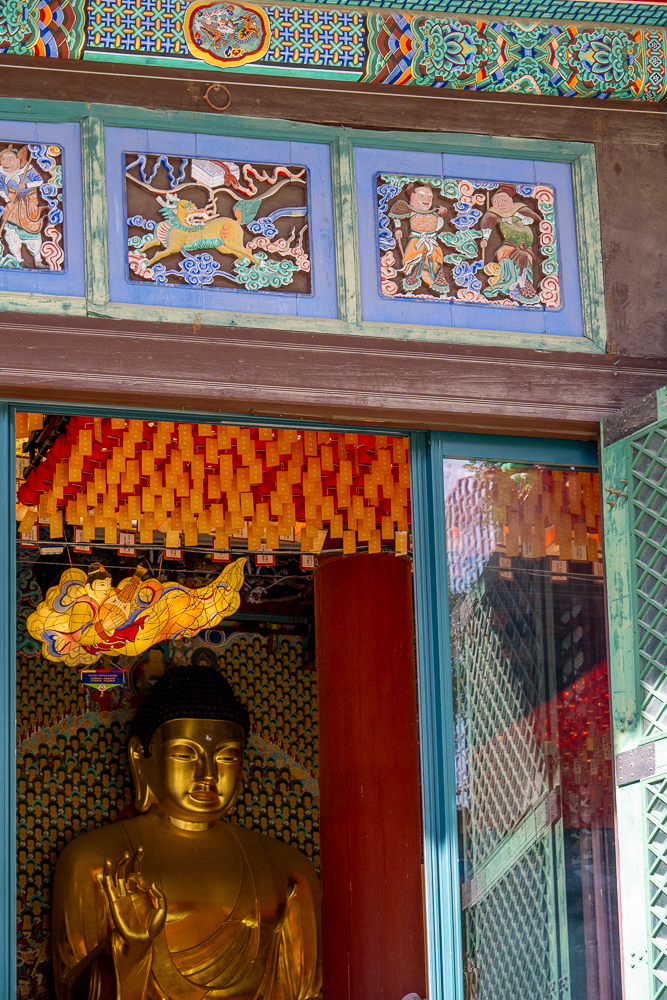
(7, 704)
(441, 873)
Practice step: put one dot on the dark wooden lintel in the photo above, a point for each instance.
(323, 102)
(341, 379)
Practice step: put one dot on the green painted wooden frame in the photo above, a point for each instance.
(626, 709)
(94, 118)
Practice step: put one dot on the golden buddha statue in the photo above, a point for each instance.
(176, 904)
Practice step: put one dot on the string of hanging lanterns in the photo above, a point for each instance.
(186, 480)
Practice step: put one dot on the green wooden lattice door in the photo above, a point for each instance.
(634, 469)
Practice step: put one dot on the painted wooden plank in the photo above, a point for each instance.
(275, 128)
(95, 211)
(346, 230)
(243, 147)
(32, 302)
(41, 305)
(618, 569)
(589, 248)
(70, 281)
(631, 861)
(323, 300)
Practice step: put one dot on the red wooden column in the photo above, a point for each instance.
(370, 805)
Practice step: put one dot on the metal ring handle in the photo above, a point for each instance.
(217, 86)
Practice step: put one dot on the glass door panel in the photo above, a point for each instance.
(531, 715)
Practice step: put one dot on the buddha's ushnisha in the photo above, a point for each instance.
(176, 904)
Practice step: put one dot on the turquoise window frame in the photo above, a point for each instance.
(428, 450)
(94, 118)
(436, 707)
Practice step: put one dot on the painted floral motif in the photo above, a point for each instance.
(201, 222)
(484, 242)
(31, 209)
(536, 57)
(448, 50)
(606, 58)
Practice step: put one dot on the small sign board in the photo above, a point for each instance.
(30, 538)
(175, 554)
(265, 559)
(308, 560)
(505, 564)
(102, 680)
(49, 549)
(79, 544)
(127, 540)
(559, 570)
(222, 557)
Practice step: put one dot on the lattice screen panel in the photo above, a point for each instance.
(656, 836)
(507, 770)
(511, 945)
(649, 499)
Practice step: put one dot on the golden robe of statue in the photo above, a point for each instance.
(177, 904)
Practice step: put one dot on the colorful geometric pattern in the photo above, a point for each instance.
(317, 38)
(53, 28)
(72, 773)
(553, 10)
(299, 36)
(149, 26)
(461, 51)
(567, 60)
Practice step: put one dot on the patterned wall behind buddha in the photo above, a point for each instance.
(72, 773)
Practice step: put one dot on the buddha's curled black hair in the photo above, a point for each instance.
(188, 693)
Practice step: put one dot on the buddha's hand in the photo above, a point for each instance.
(138, 910)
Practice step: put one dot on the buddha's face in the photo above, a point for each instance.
(194, 769)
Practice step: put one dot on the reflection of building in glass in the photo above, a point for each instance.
(534, 778)
(471, 536)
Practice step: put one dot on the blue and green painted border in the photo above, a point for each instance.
(96, 302)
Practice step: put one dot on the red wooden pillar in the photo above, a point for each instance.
(370, 805)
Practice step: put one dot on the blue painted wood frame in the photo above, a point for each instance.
(71, 280)
(441, 860)
(567, 321)
(320, 303)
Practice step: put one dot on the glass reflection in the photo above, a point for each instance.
(533, 748)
